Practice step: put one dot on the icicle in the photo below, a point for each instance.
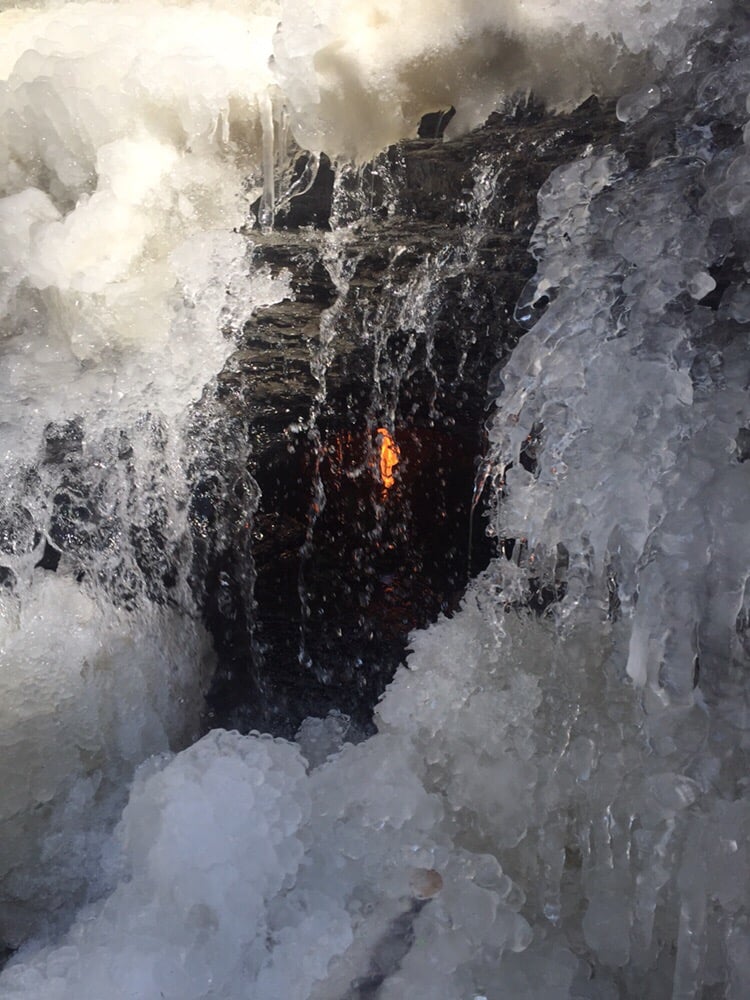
(303, 183)
(267, 209)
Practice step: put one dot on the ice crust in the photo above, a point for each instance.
(357, 76)
(103, 661)
(550, 807)
(85, 695)
(120, 282)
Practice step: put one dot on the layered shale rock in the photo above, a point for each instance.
(405, 278)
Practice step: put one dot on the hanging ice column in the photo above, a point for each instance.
(644, 487)
(633, 388)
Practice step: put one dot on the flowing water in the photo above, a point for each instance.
(554, 802)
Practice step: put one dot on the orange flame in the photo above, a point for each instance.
(389, 458)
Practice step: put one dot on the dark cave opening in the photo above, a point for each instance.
(339, 584)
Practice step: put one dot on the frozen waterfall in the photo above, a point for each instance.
(555, 803)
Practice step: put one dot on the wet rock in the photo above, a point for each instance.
(397, 319)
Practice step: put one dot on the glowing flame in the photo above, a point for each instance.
(389, 458)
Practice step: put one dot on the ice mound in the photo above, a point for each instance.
(305, 881)
(500, 837)
(85, 692)
(187, 856)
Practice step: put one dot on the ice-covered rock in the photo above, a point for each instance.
(120, 276)
(85, 691)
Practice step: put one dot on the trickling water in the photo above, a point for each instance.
(374, 563)
(554, 804)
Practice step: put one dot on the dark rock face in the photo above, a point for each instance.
(400, 316)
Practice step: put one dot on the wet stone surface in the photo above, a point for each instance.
(315, 577)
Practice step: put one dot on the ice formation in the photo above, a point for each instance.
(552, 807)
(119, 278)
